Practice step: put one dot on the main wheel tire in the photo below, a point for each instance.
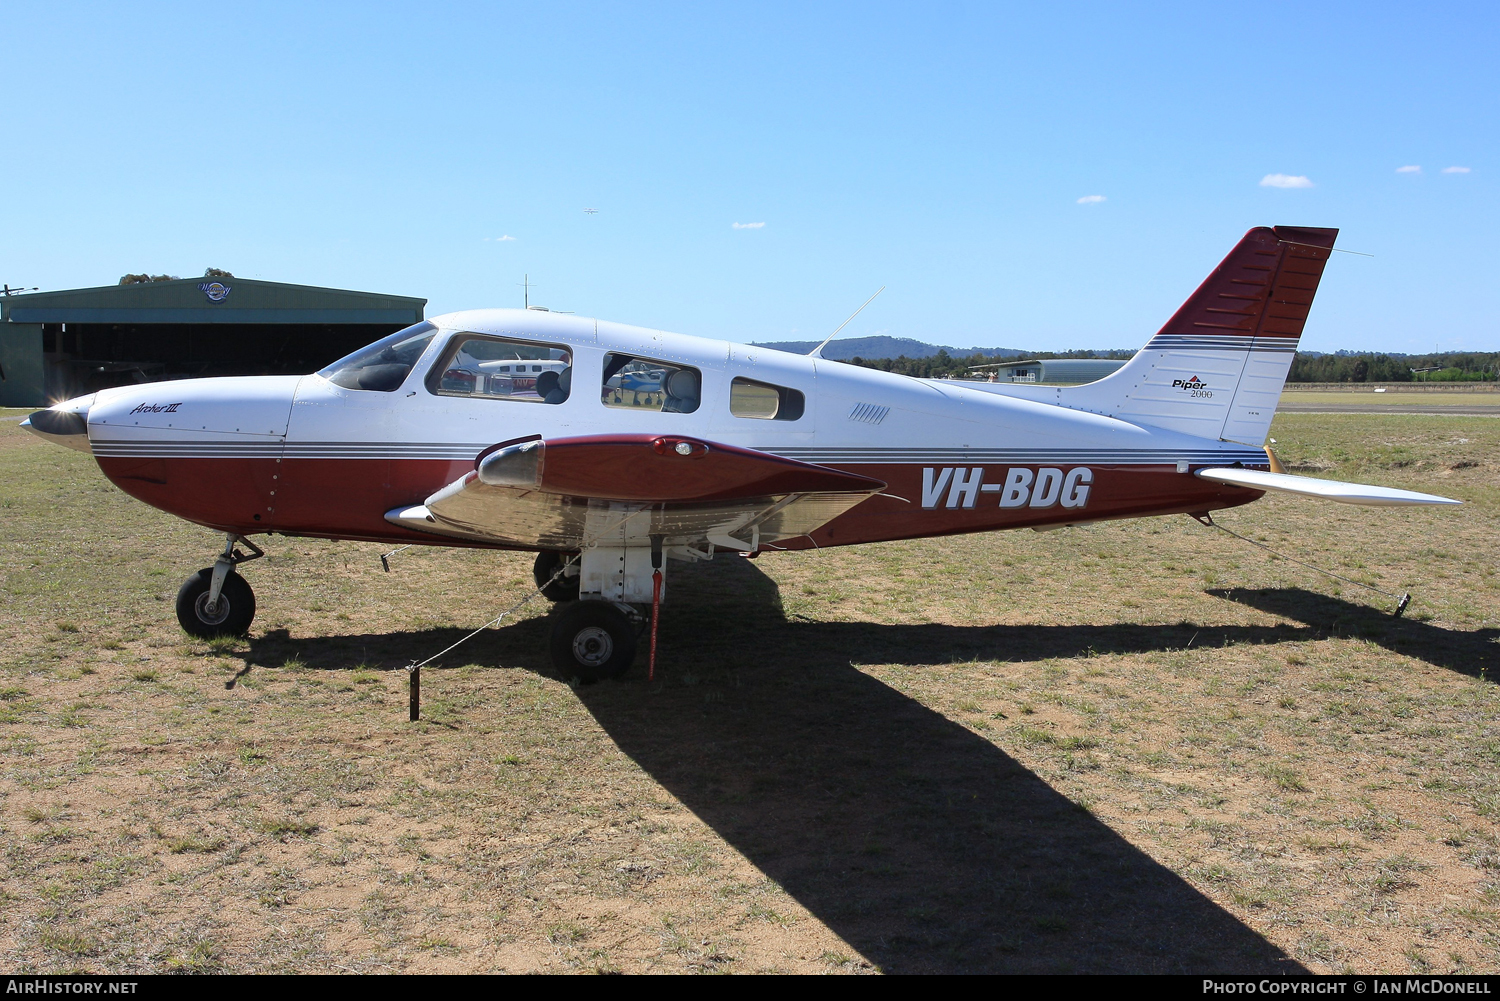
(232, 616)
(591, 641)
(564, 588)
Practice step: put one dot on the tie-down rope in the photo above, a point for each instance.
(1402, 600)
(497, 619)
(586, 544)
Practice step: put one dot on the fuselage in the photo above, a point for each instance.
(310, 456)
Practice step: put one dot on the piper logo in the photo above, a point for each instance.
(1021, 487)
(1192, 383)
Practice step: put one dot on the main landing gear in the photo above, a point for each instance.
(564, 587)
(592, 640)
(216, 601)
(594, 626)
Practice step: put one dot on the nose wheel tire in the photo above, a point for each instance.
(232, 614)
(591, 641)
(564, 588)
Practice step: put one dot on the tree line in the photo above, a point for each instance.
(945, 366)
(1446, 366)
(146, 279)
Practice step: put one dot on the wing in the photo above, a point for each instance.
(1334, 490)
(619, 490)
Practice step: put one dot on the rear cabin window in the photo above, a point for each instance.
(643, 384)
(763, 401)
(499, 368)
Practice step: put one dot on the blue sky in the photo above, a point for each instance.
(938, 149)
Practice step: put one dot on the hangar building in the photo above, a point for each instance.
(1055, 371)
(57, 345)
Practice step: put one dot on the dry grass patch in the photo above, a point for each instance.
(1140, 746)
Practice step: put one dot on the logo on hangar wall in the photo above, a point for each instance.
(216, 291)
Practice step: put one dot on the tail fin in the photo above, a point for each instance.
(1216, 369)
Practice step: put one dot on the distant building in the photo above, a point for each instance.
(1055, 371)
(55, 345)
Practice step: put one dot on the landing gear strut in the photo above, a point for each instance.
(216, 601)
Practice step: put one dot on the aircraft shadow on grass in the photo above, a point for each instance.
(1475, 653)
(920, 843)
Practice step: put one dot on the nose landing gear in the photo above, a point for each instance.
(216, 601)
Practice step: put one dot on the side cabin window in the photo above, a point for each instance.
(383, 366)
(499, 368)
(763, 401)
(643, 384)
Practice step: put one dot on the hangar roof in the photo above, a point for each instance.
(197, 300)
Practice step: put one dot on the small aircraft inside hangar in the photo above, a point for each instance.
(57, 345)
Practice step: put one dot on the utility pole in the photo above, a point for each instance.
(525, 284)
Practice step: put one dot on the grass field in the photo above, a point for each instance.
(1140, 746)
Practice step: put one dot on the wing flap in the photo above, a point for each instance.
(1334, 490)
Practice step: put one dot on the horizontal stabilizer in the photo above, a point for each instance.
(1334, 490)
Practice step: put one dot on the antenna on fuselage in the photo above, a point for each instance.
(817, 352)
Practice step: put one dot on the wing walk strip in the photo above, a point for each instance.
(813, 454)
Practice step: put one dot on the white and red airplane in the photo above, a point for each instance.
(609, 449)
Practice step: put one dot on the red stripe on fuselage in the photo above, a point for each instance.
(348, 498)
(1115, 492)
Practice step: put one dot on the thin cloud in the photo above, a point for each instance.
(1285, 181)
(748, 225)
(499, 239)
(1455, 170)
(1413, 169)
(1091, 199)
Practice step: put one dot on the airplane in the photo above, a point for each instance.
(735, 449)
(590, 211)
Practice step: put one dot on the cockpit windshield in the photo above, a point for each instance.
(383, 366)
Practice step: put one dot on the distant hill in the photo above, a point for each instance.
(885, 346)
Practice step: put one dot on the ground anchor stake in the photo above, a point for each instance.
(414, 678)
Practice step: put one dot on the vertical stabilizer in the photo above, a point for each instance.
(1216, 368)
